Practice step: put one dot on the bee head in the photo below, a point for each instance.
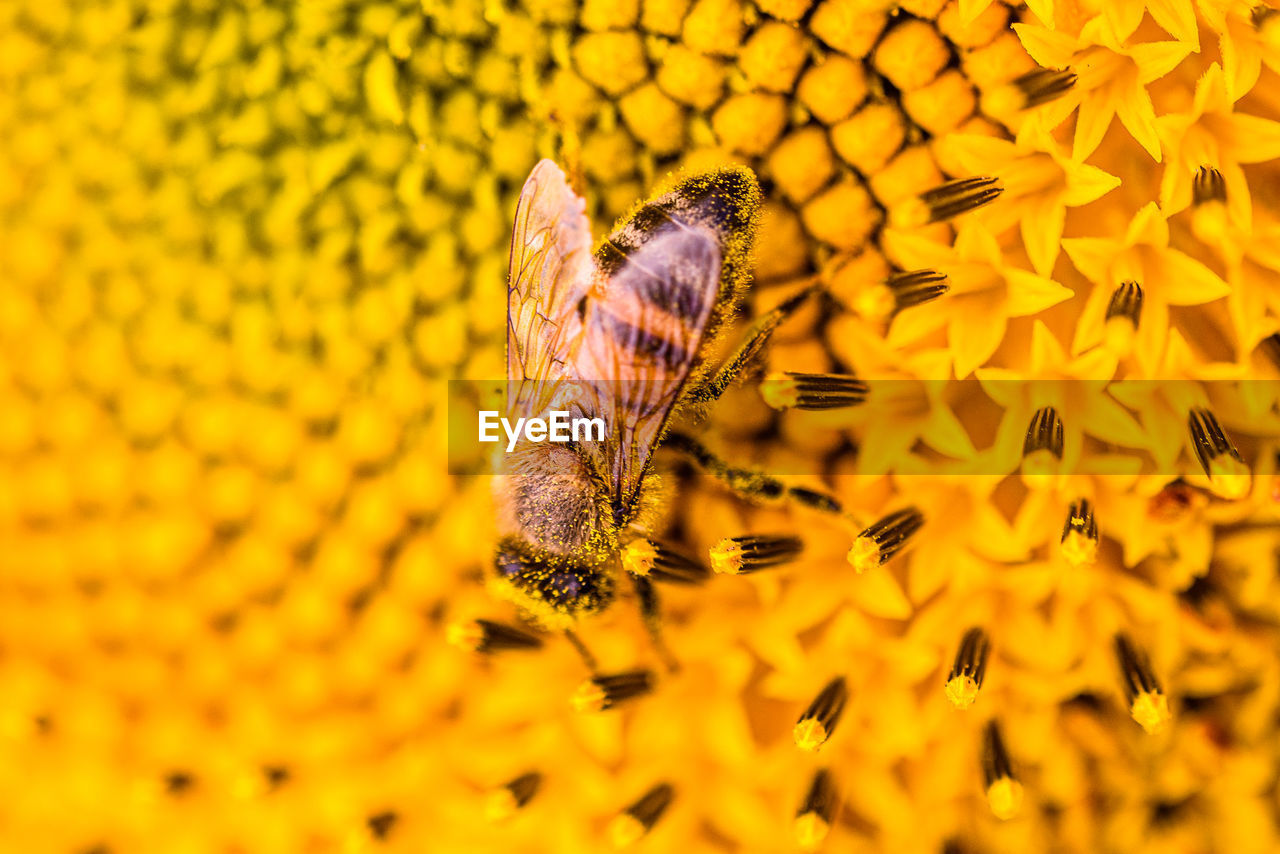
(554, 589)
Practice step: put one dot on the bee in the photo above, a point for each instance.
(620, 333)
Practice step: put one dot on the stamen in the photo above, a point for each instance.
(1229, 477)
(1030, 90)
(1044, 85)
(1004, 792)
(884, 539)
(1080, 534)
(1208, 186)
(178, 783)
(969, 668)
(882, 300)
(916, 287)
(813, 819)
(488, 636)
(639, 557)
(1042, 448)
(276, 776)
(819, 720)
(1147, 701)
(741, 555)
(1261, 15)
(600, 693)
(1123, 313)
(639, 818)
(790, 390)
(507, 799)
(944, 202)
(381, 824)
(661, 563)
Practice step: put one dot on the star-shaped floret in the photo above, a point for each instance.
(1213, 134)
(1112, 79)
(1040, 183)
(1164, 275)
(985, 293)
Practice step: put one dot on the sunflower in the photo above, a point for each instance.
(248, 245)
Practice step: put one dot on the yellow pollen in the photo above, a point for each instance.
(625, 830)
(779, 391)
(1229, 478)
(1118, 335)
(811, 829)
(466, 636)
(726, 557)
(1079, 550)
(589, 697)
(962, 691)
(500, 805)
(638, 557)
(1151, 710)
(865, 554)
(810, 734)
(1005, 797)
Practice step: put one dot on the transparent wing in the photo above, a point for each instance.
(642, 330)
(549, 274)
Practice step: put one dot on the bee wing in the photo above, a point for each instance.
(549, 274)
(643, 328)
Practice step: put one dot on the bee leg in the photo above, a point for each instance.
(757, 336)
(648, 596)
(587, 658)
(753, 485)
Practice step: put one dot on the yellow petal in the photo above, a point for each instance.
(1185, 281)
(1092, 121)
(975, 332)
(1048, 48)
(1178, 18)
(1139, 118)
(1107, 420)
(912, 252)
(1124, 18)
(1087, 183)
(945, 434)
(1046, 352)
(879, 594)
(1148, 226)
(1252, 139)
(1031, 294)
(1092, 256)
(1042, 224)
(1156, 59)
(1043, 10)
